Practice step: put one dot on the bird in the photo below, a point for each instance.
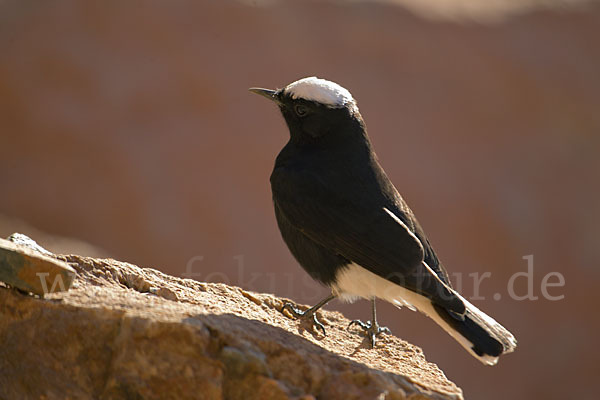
(349, 228)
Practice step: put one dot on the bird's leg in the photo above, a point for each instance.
(371, 328)
(310, 313)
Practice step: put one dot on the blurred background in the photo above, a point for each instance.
(127, 131)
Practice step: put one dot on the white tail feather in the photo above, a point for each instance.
(355, 281)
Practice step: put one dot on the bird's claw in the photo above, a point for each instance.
(305, 315)
(372, 330)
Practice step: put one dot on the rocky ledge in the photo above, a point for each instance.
(125, 332)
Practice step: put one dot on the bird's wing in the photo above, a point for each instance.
(369, 235)
(362, 231)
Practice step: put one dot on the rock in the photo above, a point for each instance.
(24, 240)
(127, 332)
(27, 266)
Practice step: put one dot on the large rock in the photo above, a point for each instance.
(129, 332)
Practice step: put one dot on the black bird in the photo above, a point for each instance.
(349, 228)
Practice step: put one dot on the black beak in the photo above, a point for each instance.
(268, 93)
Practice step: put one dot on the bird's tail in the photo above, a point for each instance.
(481, 335)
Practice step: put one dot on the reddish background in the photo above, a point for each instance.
(128, 125)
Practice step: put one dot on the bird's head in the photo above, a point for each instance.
(316, 108)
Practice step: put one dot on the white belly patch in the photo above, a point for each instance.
(354, 281)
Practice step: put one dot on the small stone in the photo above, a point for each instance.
(287, 313)
(19, 238)
(251, 297)
(166, 293)
(30, 270)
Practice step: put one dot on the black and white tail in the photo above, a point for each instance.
(477, 332)
(483, 337)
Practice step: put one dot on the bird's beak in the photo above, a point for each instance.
(268, 93)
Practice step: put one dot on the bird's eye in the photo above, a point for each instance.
(300, 110)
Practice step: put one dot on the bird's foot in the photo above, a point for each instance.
(371, 330)
(309, 314)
